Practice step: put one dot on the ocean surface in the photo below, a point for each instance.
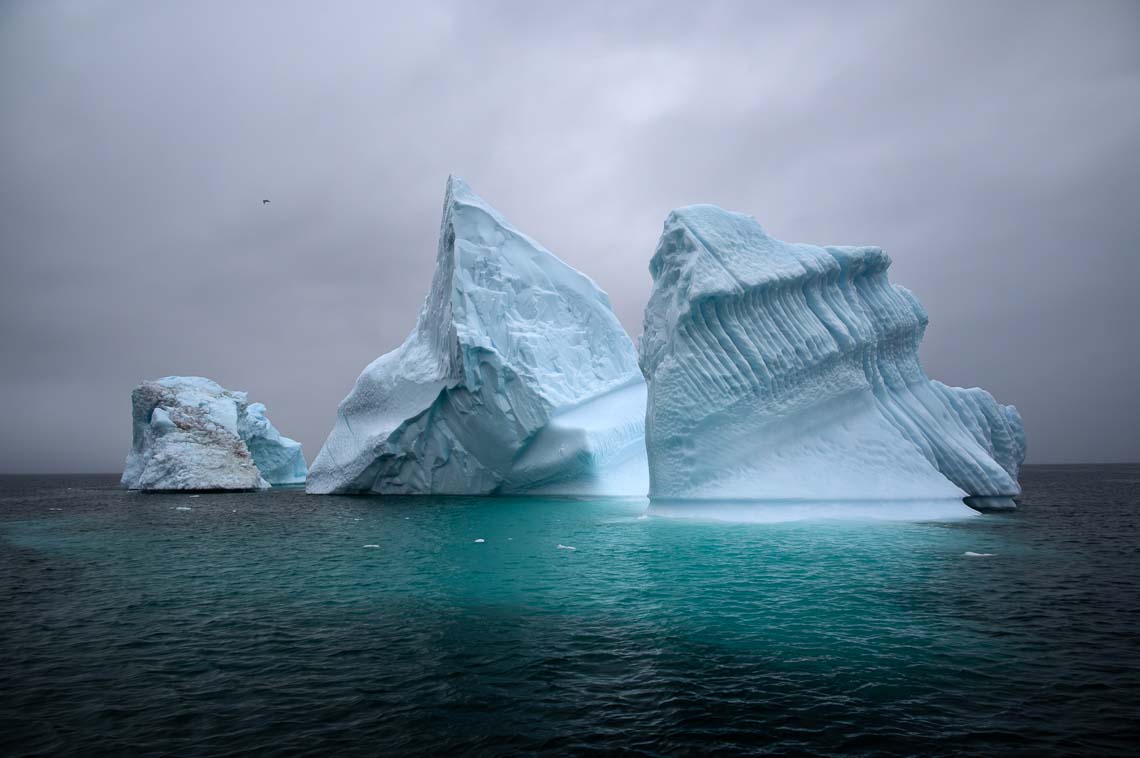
(290, 624)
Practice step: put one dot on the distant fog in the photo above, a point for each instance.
(993, 149)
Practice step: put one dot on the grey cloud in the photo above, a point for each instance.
(992, 149)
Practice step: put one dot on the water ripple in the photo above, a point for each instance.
(257, 623)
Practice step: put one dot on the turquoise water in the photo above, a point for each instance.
(241, 624)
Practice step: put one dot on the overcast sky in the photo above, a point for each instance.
(993, 149)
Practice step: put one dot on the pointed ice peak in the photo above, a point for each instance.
(459, 191)
(459, 196)
(518, 376)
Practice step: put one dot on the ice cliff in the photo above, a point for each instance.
(517, 378)
(192, 434)
(782, 371)
(279, 459)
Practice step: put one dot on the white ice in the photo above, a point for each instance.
(789, 373)
(279, 458)
(517, 378)
(190, 433)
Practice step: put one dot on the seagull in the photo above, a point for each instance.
(265, 202)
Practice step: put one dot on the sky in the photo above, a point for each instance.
(992, 149)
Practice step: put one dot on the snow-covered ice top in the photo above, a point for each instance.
(783, 371)
(190, 433)
(517, 377)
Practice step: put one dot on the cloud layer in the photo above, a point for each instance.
(992, 149)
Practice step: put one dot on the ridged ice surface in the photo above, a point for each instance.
(517, 378)
(786, 371)
(190, 433)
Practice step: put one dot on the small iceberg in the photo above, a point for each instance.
(480, 540)
(183, 508)
(371, 546)
(190, 433)
(970, 554)
(566, 547)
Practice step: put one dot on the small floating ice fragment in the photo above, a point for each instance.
(371, 546)
(480, 540)
(565, 547)
(195, 496)
(55, 509)
(970, 554)
(182, 508)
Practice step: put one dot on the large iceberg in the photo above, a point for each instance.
(788, 372)
(192, 434)
(517, 378)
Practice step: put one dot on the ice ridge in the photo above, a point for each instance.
(517, 378)
(779, 370)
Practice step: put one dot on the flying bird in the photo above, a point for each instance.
(265, 202)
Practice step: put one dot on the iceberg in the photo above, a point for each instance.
(279, 459)
(189, 433)
(789, 373)
(517, 378)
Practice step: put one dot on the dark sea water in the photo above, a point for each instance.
(261, 623)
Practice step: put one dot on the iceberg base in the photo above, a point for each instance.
(775, 511)
(990, 504)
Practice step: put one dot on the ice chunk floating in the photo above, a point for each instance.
(278, 458)
(192, 434)
(787, 372)
(517, 378)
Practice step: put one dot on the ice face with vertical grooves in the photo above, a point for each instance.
(518, 377)
(781, 371)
